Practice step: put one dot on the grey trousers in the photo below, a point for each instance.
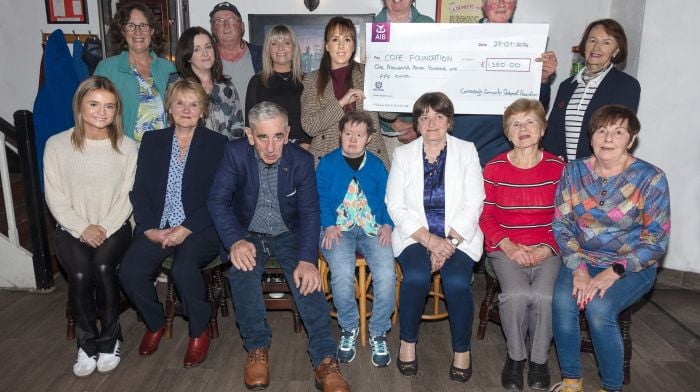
(525, 305)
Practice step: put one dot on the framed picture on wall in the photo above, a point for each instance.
(459, 11)
(66, 11)
(309, 30)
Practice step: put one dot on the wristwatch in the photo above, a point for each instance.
(453, 241)
(619, 269)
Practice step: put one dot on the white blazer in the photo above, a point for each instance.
(464, 195)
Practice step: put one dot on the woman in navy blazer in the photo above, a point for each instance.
(175, 169)
(599, 83)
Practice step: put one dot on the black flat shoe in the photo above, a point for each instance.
(408, 368)
(512, 374)
(461, 375)
(538, 376)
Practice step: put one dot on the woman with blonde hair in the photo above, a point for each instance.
(176, 167)
(88, 173)
(280, 80)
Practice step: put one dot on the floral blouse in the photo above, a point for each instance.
(355, 211)
(151, 113)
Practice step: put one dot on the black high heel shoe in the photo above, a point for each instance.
(461, 375)
(408, 368)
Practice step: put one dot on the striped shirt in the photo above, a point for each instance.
(519, 203)
(622, 219)
(576, 109)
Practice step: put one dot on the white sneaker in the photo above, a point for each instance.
(84, 364)
(109, 361)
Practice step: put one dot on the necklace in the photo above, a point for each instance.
(289, 75)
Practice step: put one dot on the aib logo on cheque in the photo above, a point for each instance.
(378, 86)
(380, 32)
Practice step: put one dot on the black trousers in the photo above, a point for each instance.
(140, 267)
(93, 287)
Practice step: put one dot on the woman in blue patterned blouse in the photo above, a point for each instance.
(435, 195)
(174, 172)
(612, 226)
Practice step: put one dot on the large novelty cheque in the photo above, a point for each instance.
(483, 67)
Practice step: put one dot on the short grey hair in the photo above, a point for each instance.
(266, 110)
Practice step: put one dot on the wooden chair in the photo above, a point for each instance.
(489, 312)
(273, 281)
(435, 295)
(624, 320)
(216, 296)
(363, 284)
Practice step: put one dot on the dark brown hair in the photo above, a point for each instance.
(359, 117)
(121, 18)
(185, 48)
(345, 26)
(437, 101)
(611, 114)
(614, 29)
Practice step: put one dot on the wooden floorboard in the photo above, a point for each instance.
(36, 357)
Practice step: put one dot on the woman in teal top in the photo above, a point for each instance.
(139, 74)
(401, 11)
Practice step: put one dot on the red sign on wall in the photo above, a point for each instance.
(66, 11)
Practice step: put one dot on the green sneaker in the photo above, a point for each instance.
(380, 351)
(346, 346)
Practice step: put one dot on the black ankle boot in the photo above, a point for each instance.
(538, 376)
(512, 375)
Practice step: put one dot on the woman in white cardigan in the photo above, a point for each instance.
(435, 195)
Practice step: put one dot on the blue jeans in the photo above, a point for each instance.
(456, 281)
(246, 289)
(380, 259)
(601, 315)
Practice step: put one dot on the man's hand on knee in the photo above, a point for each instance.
(307, 278)
(242, 255)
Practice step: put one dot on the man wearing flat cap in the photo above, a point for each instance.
(241, 59)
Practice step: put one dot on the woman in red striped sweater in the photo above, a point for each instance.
(517, 223)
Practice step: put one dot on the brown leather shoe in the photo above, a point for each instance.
(150, 341)
(197, 350)
(329, 378)
(257, 369)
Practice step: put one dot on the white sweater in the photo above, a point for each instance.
(90, 186)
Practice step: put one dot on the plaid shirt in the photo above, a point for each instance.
(620, 219)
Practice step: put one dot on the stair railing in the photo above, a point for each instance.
(7, 193)
(24, 126)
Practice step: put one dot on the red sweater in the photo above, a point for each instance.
(520, 202)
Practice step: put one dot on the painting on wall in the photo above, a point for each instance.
(66, 11)
(459, 11)
(309, 30)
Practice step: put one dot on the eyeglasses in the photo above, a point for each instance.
(143, 27)
(230, 21)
